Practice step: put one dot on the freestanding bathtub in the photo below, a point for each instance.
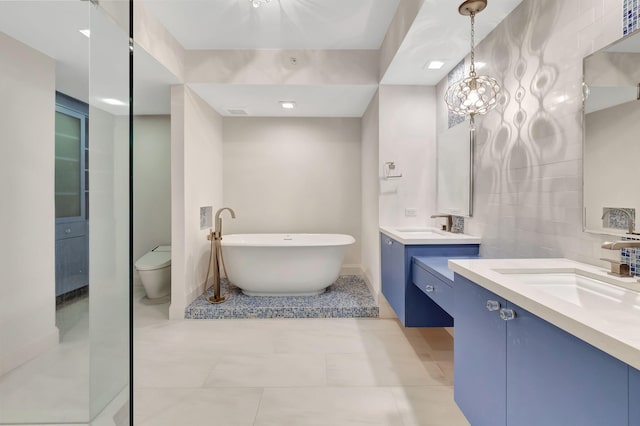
(284, 264)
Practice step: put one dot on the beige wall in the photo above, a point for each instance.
(370, 239)
(152, 184)
(27, 287)
(196, 181)
(294, 175)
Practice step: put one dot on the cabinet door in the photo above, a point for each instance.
(634, 397)
(393, 274)
(554, 378)
(71, 264)
(479, 355)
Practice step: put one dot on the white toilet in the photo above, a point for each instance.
(155, 272)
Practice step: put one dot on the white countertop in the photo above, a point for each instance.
(614, 331)
(426, 235)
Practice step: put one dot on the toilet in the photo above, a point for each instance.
(155, 272)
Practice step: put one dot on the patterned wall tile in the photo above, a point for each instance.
(458, 225)
(615, 218)
(456, 74)
(630, 14)
(631, 256)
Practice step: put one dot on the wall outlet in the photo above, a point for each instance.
(411, 212)
(206, 215)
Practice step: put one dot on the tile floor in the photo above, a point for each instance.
(252, 372)
(299, 372)
(55, 386)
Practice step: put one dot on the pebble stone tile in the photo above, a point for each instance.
(348, 297)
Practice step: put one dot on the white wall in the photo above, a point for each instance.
(370, 240)
(152, 184)
(294, 175)
(528, 191)
(196, 181)
(27, 287)
(408, 138)
(398, 29)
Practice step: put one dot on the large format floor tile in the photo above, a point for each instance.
(328, 406)
(299, 372)
(380, 369)
(171, 407)
(428, 406)
(264, 370)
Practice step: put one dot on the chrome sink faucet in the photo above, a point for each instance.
(449, 224)
(617, 245)
(630, 220)
(618, 268)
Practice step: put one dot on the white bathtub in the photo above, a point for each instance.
(284, 264)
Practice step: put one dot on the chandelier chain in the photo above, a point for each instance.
(472, 70)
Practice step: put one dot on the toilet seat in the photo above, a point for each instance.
(158, 258)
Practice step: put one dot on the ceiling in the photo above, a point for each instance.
(438, 32)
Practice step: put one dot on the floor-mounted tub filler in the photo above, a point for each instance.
(284, 264)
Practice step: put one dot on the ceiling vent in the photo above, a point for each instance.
(237, 111)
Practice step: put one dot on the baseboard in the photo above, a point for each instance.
(351, 269)
(176, 312)
(367, 281)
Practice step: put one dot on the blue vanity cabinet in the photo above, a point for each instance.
(413, 307)
(521, 370)
(634, 397)
(479, 355)
(392, 274)
(438, 290)
(554, 378)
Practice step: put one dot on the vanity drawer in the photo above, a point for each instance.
(70, 230)
(436, 289)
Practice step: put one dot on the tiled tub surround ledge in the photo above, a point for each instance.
(348, 297)
(614, 331)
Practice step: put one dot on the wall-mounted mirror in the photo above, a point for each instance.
(612, 137)
(454, 189)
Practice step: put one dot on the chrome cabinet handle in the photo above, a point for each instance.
(493, 305)
(429, 288)
(389, 242)
(67, 231)
(507, 314)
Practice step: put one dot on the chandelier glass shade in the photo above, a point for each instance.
(258, 3)
(474, 94)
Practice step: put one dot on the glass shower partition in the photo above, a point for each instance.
(64, 364)
(109, 210)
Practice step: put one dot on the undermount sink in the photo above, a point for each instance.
(419, 230)
(581, 290)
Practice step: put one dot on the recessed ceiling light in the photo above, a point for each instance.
(85, 32)
(288, 104)
(112, 101)
(435, 65)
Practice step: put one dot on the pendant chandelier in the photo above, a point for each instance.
(474, 94)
